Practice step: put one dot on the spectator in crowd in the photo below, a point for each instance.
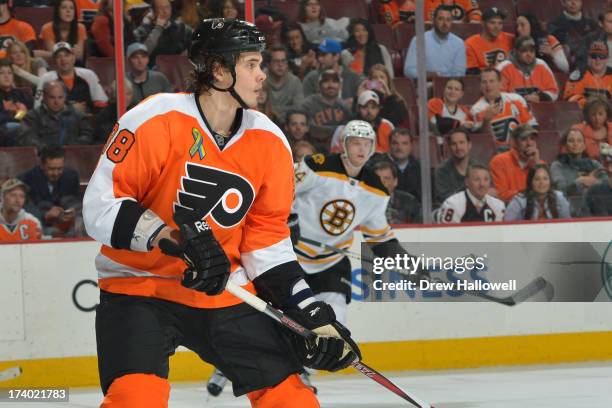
(317, 27)
(602, 33)
(328, 55)
(490, 47)
(596, 79)
(15, 105)
(301, 54)
(574, 172)
(27, 69)
(549, 48)
(84, 90)
(14, 29)
(64, 27)
(463, 11)
(497, 111)
(393, 105)
(285, 89)
(264, 104)
(105, 119)
(403, 207)
(408, 168)
(54, 190)
(362, 51)
(474, 203)
(54, 121)
(526, 75)
(225, 8)
(326, 108)
(17, 224)
(598, 198)
(596, 127)
(447, 113)
(539, 200)
(571, 27)
(296, 127)
(88, 9)
(102, 42)
(450, 174)
(302, 148)
(509, 169)
(162, 33)
(394, 12)
(145, 82)
(368, 109)
(269, 28)
(445, 53)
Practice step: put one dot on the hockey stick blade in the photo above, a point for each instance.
(10, 373)
(297, 328)
(517, 297)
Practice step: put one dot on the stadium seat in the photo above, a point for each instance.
(593, 8)
(561, 78)
(384, 35)
(549, 145)
(83, 159)
(434, 157)
(104, 67)
(471, 88)
(36, 16)
(558, 116)
(465, 30)
(403, 33)
(16, 160)
(405, 87)
(176, 68)
(544, 10)
(345, 8)
(506, 5)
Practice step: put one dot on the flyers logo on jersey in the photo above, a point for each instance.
(225, 196)
(494, 57)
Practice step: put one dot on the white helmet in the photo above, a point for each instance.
(359, 128)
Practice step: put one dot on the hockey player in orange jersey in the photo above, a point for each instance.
(200, 179)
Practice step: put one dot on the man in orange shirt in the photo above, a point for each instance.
(490, 47)
(526, 75)
(13, 29)
(463, 11)
(16, 224)
(393, 12)
(509, 169)
(202, 177)
(596, 79)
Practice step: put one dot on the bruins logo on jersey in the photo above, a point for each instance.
(337, 216)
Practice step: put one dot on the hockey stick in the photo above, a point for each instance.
(532, 288)
(291, 324)
(10, 373)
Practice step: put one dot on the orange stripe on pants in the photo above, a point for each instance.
(137, 390)
(291, 393)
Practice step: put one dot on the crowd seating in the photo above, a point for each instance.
(16, 160)
(84, 159)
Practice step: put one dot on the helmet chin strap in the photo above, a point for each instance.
(232, 90)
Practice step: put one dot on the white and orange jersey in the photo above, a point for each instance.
(514, 112)
(437, 111)
(463, 11)
(330, 205)
(25, 227)
(162, 156)
(539, 80)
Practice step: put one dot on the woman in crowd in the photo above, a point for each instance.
(539, 200)
(27, 69)
(573, 172)
(317, 26)
(596, 126)
(549, 48)
(393, 105)
(361, 51)
(301, 54)
(264, 104)
(64, 27)
(225, 8)
(446, 114)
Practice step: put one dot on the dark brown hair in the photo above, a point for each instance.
(550, 199)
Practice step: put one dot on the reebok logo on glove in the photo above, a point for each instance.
(202, 226)
(314, 311)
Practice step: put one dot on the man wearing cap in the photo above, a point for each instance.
(444, 51)
(145, 82)
(285, 89)
(84, 90)
(368, 109)
(598, 198)
(603, 33)
(509, 169)
(16, 224)
(571, 27)
(490, 47)
(326, 108)
(328, 55)
(596, 79)
(526, 75)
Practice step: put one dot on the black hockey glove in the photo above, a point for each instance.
(208, 266)
(333, 348)
(294, 228)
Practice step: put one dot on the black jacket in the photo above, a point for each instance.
(66, 191)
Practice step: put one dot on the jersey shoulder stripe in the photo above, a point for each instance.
(254, 120)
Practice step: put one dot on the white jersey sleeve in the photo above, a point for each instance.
(452, 209)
